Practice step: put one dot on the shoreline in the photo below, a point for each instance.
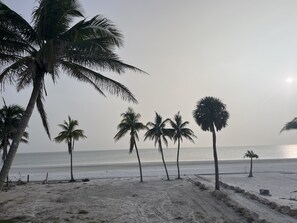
(154, 169)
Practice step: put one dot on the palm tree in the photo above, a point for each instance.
(10, 117)
(52, 45)
(179, 131)
(69, 135)
(211, 115)
(250, 154)
(158, 133)
(130, 122)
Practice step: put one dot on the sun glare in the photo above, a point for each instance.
(289, 80)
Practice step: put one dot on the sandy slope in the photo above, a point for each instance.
(121, 200)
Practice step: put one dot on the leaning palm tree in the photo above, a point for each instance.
(130, 123)
(10, 117)
(250, 154)
(158, 133)
(211, 115)
(179, 131)
(69, 135)
(53, 45)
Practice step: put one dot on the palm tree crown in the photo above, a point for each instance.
(130, 122)
(251, 154)
(158, 132)
(179, 130)
(211, 111)
(69, 133)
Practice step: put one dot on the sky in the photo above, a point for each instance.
(243, 52)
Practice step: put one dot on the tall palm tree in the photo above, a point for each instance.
(179, 131)
(250, 154)
(10, 117)
(158, 133)
(130, 123)
(211, 115)
(69, 135)
(53, 45)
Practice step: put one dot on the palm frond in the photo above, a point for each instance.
(290, 125)
(100, 82)
(40, 107)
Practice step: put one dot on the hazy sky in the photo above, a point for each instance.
(241, 51)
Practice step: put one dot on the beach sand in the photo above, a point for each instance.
(125, 199)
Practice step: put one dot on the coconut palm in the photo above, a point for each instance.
(179, 131)
(10, 117)
(69, 135)
(158, 133)
(130, 123)
(250, 154)
(53, 45)
(211, 115)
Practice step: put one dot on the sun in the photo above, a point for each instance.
(289, 80)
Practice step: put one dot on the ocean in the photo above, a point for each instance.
(113, 163)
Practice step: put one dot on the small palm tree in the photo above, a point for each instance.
(69, 135)
(130, 122)
(10, 117)
(179, 131)
(250, 154)
(211, 115)
(158, 133)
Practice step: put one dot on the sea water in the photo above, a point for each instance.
(109, 163)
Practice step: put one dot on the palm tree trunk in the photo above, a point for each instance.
(71, 161)
(161, 150)
(139, 163)
(23, 124)
(4, 155)
(71, 168)
(4, 158)
(177, 159)
(215, 156)
(251, 168)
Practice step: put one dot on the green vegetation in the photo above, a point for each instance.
(179, 131)
(130, 123)
(69, 135)
(158, 133)
(211, 115)
(52, 45)
(250, 154)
